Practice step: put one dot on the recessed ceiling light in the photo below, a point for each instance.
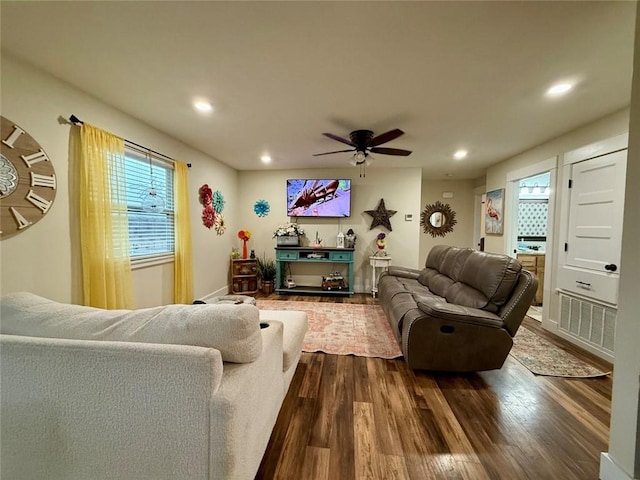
(460, 154)
(559, 89)
(203, 106)
(265, 159)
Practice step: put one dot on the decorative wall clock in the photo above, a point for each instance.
(27, 180)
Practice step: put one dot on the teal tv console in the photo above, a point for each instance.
(323, 255)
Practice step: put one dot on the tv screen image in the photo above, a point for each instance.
(318, 197)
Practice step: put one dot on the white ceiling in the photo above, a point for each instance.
(450, 74)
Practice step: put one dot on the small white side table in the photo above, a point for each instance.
(377, 262)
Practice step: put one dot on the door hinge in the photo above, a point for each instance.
(570, 183)
(566, 247)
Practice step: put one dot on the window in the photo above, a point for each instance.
(150, 233)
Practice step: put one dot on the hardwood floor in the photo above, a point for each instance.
(348, 417)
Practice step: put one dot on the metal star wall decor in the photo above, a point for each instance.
(381, 216)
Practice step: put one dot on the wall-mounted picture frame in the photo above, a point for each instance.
(494, 209)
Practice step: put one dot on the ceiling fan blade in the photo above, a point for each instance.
(339, 139)
(391, 151)
(385, 137)
(337, 151)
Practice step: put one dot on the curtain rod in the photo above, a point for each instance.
(76, 121)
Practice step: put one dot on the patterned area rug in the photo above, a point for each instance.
(544, 358)
(343, 328)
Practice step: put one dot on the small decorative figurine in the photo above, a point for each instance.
(350, 239)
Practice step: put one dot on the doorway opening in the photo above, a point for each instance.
(530, 194)
(531, 241)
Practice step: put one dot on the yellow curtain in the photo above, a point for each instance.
(104, 228)
(183, 263)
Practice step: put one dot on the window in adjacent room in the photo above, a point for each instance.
(151, 234)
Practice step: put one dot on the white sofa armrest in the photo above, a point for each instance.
(78, 409)
(245, 409)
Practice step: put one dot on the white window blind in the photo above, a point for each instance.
(150, 234)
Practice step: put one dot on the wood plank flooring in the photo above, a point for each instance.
(348, 417)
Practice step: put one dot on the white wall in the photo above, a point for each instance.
(462, 204)
(45, 258)
(623, 459)
(399, 187)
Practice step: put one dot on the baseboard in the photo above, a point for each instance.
(609, 470)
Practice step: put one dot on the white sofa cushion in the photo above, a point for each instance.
(234, 330)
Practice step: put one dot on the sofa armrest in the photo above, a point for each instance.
(63, 402)
(514, 311)
(405, 272)
(245, 409)
(437, 308)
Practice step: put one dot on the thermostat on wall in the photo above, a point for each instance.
(447, 194)
(408, 217)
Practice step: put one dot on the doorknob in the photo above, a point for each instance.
(612, 267)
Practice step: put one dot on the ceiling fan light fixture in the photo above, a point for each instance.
(359, 157)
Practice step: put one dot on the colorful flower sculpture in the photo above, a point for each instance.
(261, 208)
(208, 216)
(218, 201)
(220, 225)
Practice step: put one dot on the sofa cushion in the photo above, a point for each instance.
(234, 330)
(462, 294)
(453, 261)
(492, 274)
(437, 282)
(436, 256)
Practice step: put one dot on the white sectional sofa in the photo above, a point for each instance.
(173, 392)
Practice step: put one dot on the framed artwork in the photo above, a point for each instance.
(494, 209)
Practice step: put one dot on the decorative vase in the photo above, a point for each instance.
(244, 249)
(267, 287)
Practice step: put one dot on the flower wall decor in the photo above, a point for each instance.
(288, 230)
(261, 208)
(220, 226)
(218, 201)
(208, 213)
(206, 195)
(208, 216)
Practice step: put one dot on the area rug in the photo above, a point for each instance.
(544, 358)
(343, 328)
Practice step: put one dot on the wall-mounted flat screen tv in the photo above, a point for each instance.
(314, 197)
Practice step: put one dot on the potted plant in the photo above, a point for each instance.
(267, 273)
(288, 234)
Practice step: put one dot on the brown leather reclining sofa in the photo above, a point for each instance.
(460, 312)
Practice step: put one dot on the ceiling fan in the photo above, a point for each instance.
(363, 143)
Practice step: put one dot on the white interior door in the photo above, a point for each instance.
(595, 212)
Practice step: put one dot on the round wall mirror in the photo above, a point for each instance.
(438, 219)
